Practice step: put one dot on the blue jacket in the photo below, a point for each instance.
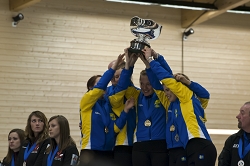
(154, 111)
(185, 114)
(115, 94)
(96, 115)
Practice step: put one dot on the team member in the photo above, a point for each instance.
(99, 123)
(237, 146)
(36, 130)
(62, 150)
(149, 148)
(124, 139)
(185, 118)
(177, 155)
(15, 139)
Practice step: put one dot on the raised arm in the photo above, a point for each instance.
(202, 94)
(181, 91)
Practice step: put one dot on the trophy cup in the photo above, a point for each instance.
(144, 30)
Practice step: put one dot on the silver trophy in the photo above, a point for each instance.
(144, 30)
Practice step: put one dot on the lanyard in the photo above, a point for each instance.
(246, 149)
(51, 156)
(28, 151)
(12, 161)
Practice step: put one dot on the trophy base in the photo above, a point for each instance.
(137, 47)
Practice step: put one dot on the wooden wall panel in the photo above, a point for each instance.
(47, 59)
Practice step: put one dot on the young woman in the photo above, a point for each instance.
(124, 139)
(62, 150)
(36, 131)
(15, 139)
(149, 148)
(185, 126)
(100, 124)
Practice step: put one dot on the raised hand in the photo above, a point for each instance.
(182, 79)
(118, 61)
(147, 52)
(129, 104)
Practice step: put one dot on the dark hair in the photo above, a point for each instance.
(91, 81)
(183, 75)
(65, 138)
(30, 134)
(247, 103)
(21, 136)
(143, 73)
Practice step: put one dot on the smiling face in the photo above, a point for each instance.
(244, 118)
(170, 95)
(36, 124)
(145, 86)
(14, 141)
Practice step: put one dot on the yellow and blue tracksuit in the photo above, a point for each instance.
(186, 113)
(148, 108)
(96, 115)
(202, 94)
(150, 138)
(115, 94)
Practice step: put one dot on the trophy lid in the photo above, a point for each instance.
(145, 27)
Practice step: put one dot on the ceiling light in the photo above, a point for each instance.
(131, 2)
(173, 4)
(240, 10)
(185, 7)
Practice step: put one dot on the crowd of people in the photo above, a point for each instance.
(160, 123)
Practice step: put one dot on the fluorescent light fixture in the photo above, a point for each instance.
(238, 11)
(131, 2)
(221, 131)
(185, 7)
(173, 4)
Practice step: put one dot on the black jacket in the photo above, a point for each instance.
(229, 155)
(68, 157)
(4, 163)
(36, 156)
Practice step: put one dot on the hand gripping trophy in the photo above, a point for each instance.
(144, 30)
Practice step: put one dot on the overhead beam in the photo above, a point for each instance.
(17, 5)
(193, 17)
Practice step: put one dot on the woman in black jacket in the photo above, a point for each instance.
(15, 139)
(62, 150)
(36, 130)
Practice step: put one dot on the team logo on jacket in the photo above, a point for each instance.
(201, 157)
(176, 113)
(112, 116)
(157, 103)
(36, 149)
(183, 159)
(236, 146)
(58, 156)
(74, 159)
